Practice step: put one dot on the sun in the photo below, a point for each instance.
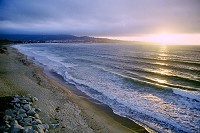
(164, 38)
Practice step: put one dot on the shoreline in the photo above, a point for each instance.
(88, 116)
(103, 107)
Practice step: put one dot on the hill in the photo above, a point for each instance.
(61, 39)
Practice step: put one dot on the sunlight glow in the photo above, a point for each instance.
(163, 56)
(160, 81)
(162, 71)
(163, 38)
(162, 64)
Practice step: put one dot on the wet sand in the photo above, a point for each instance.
(76, 113)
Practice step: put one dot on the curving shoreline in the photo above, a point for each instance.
(76, 114)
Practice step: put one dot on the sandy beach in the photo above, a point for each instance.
(76, 114)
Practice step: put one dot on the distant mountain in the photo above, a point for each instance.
(51, 38)
(62, 39)
(37, 37)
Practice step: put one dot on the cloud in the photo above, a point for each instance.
(100, 18)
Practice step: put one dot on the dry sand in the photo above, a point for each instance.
(58, 104)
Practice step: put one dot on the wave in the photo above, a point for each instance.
(146, 81)
(174, 78)
(128, 87)
(169, 60)
(190, 71)
(122, 108)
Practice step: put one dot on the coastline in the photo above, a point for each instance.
(77, 114)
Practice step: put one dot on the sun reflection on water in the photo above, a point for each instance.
(162, 55)
(162, 64)
(160, 80)
(162, 71)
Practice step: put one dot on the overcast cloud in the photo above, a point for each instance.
(99, 17)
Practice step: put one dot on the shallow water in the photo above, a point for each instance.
(158, 86)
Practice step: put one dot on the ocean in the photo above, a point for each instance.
(157, 86)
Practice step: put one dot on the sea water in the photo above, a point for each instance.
(158, 86)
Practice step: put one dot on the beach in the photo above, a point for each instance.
(18, 75)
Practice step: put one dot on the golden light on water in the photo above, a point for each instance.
(160, 80)
(163, 56)
(162, 64)
(162, 71)
(162, 53)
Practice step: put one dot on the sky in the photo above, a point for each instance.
(117, 19)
